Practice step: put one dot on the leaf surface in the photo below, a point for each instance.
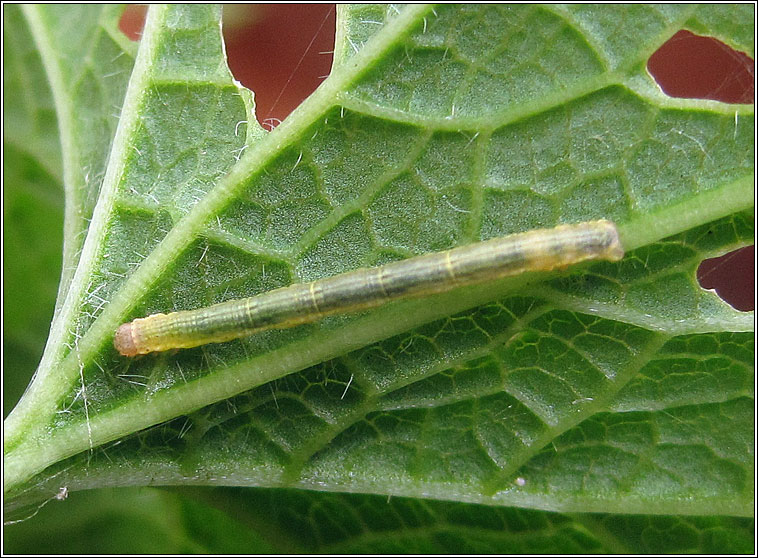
(610, 388)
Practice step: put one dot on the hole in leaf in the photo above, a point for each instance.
(732, 276)
(132, 21)
(695, 67)
(283, 53)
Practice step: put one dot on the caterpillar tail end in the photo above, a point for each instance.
(124, 341)
(614, 251)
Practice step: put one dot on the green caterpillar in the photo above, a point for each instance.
(538, 250)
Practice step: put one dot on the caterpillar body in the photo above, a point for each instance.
(537, 250)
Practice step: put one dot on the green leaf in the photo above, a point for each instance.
(86, 62)
(616, 388)
(70, 63)
(145, 521)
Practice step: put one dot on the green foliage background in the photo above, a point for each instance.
(541, 414)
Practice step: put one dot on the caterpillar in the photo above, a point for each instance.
(536, 250)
